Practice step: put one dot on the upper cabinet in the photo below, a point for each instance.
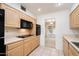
(74, 18)
(11, 16)
(22, 15)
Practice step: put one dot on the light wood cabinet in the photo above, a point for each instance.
(69, 50)
(23, 47)
(15, 49)
(30, 44)
(11, 16)
(22, 16)
(72, 51)
(14, 45)
(65, 45)
(34, 43)
(18, 51)
(74, 18)
(27, 46)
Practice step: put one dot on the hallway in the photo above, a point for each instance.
(45, 51)
(50, 42)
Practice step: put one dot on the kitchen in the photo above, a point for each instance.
(24, 32)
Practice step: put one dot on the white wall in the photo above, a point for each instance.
(62, 27)
(17, 6)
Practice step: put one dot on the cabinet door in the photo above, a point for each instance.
(27, 48)
(18, 51)
(74, 18)
(65, 43)
(35, 42)
(22, 15)
(72, 51)
(76, 15)
(11, 16)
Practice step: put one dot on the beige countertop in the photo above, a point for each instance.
(12, 39)
(72, 38)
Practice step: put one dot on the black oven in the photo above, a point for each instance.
(38, 29)
(26, 24)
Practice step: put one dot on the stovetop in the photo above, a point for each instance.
(23, 36)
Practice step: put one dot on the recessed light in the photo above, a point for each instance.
(58, 4)
(51, 23)
(39, 9)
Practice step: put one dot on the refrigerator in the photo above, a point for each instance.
(2, 45)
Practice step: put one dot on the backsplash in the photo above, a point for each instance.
(13, 32)
(24, 32)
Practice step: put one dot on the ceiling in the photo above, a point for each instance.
(46, 7)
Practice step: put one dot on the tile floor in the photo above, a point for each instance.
(50, 43)
(46, 51)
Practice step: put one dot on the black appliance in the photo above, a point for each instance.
(2, 46)
(26, 24)
(24, 36)
(38, 29)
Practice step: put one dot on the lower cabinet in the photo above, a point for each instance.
(18, 51)
(22, 48)
(69, 50)
(30, 45)
(27, 46)
(72, 51)
(65, 47)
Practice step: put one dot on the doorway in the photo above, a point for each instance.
(49, 33)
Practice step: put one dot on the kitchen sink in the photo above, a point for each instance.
(76, 44)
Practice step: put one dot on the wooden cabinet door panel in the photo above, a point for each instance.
(18, 51)
(65, 43)
(74, 18)
(77, 16)
(11, 16)
(70, 52)
(14, 45)
(27, 48)
(73, 51)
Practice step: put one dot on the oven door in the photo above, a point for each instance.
(38, 29)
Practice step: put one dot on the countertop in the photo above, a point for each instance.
(72, 38)
(9, 40)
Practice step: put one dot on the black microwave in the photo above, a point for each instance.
(26, 24)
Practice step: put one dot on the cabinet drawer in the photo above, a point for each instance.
(13, 45)
(18, 51)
